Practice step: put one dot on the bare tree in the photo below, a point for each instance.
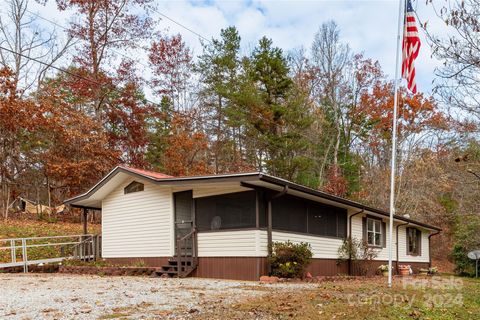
(22, 37)
(458, 83)
(331, 59)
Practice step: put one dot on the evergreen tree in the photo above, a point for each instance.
(219, 70)
(277, 113)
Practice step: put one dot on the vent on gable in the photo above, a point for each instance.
(133, 187)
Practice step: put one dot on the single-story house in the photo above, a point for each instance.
(220, 226)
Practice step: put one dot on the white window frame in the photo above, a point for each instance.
(376, 229)
(417, 239)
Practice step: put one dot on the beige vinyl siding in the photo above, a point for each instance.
(402, 246)
(242, 243)
(138, 224)
(357, 232)
(322, 247)
(216, 189)
(212, 189)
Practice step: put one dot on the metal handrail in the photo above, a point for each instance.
(51, 237)
(87, 247)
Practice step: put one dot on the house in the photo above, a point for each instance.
(220, 226)
(28, 206)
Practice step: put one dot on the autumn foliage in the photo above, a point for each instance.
(125, 91)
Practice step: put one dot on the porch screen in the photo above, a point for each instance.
(226, 211)
(300, 215)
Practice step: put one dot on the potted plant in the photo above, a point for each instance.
(404, 269)
(383, 269)
(423, 271)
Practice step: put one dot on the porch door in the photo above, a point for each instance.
(183, 202)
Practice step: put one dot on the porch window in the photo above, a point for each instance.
(226, 211)
(414, 237)
(295, 214)
(374, 232)
(133, 187)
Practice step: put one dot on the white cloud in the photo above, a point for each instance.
(368, 26)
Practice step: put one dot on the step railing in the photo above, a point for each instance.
(23, 252)
(88, 249)
(187, 248)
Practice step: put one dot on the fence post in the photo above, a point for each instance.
(24, 255)
(13, 254)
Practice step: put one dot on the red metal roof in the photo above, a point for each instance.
(151, 174)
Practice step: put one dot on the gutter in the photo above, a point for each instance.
(430, 247)
(350, 235)
(396, 246)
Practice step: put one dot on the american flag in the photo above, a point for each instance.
(410, 47)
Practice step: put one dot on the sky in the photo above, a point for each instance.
(369, 27)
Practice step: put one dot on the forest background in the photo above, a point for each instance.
(78, 99)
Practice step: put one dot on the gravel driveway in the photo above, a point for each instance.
(61, 296)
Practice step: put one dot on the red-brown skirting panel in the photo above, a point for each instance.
(235, 268)
(251, 268)
(373, 265)
(327, 267)
(148, 261)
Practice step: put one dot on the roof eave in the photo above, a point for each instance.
(282, 182)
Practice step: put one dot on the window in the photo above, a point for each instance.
(300, 215)
(290, 214)
(133, 187)
(414, 237)
(374, 232)
(226, 211)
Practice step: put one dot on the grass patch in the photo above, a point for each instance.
(114, 315)
(440, 298)
(31, 228)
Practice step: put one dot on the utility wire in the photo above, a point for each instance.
(206, 125)
(182, 26)
(66, 29)
(93, 81)
(126, 56)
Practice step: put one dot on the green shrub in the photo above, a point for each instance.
(289, 260)
(464, 266)
(359, 252)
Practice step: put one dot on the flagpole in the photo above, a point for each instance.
(394, 148)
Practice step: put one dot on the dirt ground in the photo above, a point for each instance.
(61, 296)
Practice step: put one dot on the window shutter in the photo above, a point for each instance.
(384, 234)
(364, 229)
(406, 238)
(419, 242)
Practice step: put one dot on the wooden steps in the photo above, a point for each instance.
(173, 269)
(185, 260)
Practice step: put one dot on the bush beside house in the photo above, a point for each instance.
(290, 260)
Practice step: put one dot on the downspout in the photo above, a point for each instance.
(350, 235)
(269, 225)
(430, 248)
(396, 246)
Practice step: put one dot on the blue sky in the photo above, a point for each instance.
(368, 26)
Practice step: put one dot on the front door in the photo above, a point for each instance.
(183, 202)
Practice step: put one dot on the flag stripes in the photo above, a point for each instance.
(410, 48)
